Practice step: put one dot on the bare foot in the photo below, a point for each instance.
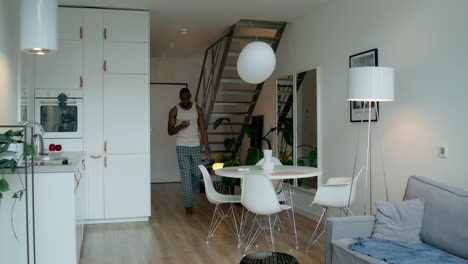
(188, 211)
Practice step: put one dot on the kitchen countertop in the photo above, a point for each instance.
(74, 159)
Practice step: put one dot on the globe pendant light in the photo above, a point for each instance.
(39, 26)
(256, 62)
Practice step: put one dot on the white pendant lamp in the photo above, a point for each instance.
(39, 26)
(256, 62)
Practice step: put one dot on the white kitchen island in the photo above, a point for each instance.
(55, 214)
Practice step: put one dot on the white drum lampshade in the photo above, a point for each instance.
(256, 62)
(39, 26)
(371, 84)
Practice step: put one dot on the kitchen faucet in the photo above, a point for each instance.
(38, 141)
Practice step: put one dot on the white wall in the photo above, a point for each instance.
(162, 100)
(9, 65)
(425, 41)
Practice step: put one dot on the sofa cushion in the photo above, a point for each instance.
(399, 221)
(445, 214)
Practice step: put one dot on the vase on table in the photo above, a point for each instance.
(267, 164)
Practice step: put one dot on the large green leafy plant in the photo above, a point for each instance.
(10, 166)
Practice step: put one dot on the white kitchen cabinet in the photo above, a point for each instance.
(94, 187)
(93, 91)
(127, 188)
(126, 113)
(124, 25)
(70, 23)
(126, 57)
(116, 115)
(62, 69)
(54, 195)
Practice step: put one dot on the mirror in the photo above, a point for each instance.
(285, 120)
(306, 83)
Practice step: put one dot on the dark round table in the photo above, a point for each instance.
(269, 258)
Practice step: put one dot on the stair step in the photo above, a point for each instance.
(215, 142)
(237, 92)
(233, 124)
(233, 54)
(231, 103)
(260, 24)
(232, 80)
(222, 133)
(252, 39)
(284, 92)
(227, 114)
(230, 68)
(285, 103)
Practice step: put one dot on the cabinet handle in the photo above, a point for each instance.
(83, 163)
(105, 66)
(105, 146)
(105, 33)
(96, 157)
(81, 32)
(81, 81)
(105, 162)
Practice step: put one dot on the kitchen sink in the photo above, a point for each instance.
(47, 160)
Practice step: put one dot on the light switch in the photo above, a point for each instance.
(443, 152)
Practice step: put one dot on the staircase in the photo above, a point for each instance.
(221, 93)
(285, 96)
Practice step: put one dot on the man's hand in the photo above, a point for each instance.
(207, 154)
(184, 124)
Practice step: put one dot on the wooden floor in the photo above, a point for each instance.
(172, 237)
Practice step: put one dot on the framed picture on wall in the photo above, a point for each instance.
(356, 108)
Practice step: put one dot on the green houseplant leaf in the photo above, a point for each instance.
(219, 121)
(253, 156)
(4, 186)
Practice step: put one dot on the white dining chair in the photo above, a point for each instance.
(338, 192)
(278, 184)
(259, 197)
(218, 199)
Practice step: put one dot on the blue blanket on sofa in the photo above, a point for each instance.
(403, 252)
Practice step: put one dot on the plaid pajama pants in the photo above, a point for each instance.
(189, 159)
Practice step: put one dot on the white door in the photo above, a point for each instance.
(126, 57)
(127, 186)
(164, 165)
(70, 21)
(124, 25)
(62, 69)
(126, 113)
(93, 184)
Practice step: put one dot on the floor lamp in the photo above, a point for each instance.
(371, 85)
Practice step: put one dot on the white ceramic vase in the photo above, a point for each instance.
(267, 164)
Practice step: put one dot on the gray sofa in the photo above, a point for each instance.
(445, 223)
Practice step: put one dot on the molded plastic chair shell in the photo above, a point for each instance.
(259, 196)
(212, 195)
(335, 193)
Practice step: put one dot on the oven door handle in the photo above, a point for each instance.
(55, 102)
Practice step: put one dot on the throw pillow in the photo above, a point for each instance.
(399, 221)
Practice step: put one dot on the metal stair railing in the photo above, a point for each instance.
(211, 73)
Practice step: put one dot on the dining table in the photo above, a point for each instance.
(277, 173)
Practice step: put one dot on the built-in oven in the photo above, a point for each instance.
(60, 113)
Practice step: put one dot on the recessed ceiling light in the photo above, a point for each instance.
(171, 45)
(184, 31)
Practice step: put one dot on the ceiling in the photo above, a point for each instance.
(206, 20)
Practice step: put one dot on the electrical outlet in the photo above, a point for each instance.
(443, 152)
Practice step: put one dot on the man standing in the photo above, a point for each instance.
(186, 122)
